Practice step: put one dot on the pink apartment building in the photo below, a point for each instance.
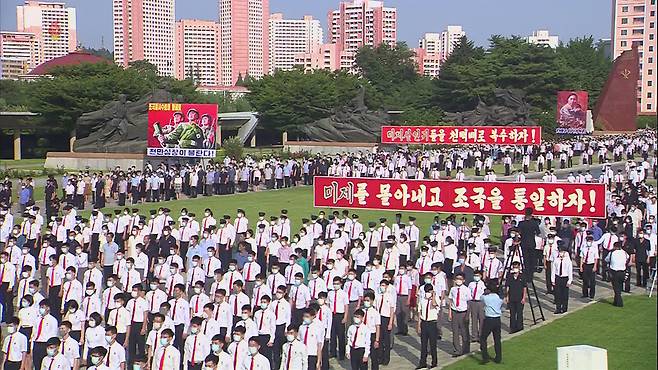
(144, 30)
(634, 24)
(360, 23)
(198, 51)
(244, 39)
(21, 49)
(289, 38)
(53, 25)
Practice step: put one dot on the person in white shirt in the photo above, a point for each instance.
(254, 360)
(116, 352)
(458, 315)
(618, 261)
(180, 314)
(589, 259)
(475, 305)
(69, 347)
(428, 311)
(294, 352)
(14, 347)
(54, 359)
(166, 356)
(197, 346)
(239, 348)
(357, 348)
(561, 277)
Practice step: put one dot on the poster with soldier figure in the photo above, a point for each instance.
(182, 130)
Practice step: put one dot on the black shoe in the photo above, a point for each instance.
(434, 365)
(456, 354)
(556, 312)
(421, 367)
(498, 360)
(484, 362)
(584, 296)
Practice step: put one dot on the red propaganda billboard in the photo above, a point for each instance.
(182, 130)
(572, 112)
(502, 198)
(459, 135)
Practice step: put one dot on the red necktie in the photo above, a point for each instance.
(490, 263)
(194, 349)
(356, 334)
(66, 295)
(427, 309)
(171, 286)
(39, 329)
(289, 354)
(400, 285)
(249, 271)
(173, 314)
(162, 359)
(561, 264)
(230, 282)
(11, 338)
(276, 311)
(475, 292)
(609, 242)
(260, 323)
(315, 283)
(335, 300)
(458, 298)
(586, 255)
(320, 317)
(52, 276)
(235, 306)
(252, 364)
(132, 317)
(381, 304)
(305, 335)
(109, 352)
(235, 357)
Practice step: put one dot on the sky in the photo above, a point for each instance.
(480, 18)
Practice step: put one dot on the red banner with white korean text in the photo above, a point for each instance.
(460, 135)
(502, 198)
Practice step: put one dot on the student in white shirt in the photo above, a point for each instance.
(357, 348)
(69, 347)
(166, 356)
(54, 360)
(197, 345)
(294, 352)
(458, 315)
(428, 312)
(14, 347)
(561, 277)
(254, 361)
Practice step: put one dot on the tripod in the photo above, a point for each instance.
(515, 251)
(653, 276)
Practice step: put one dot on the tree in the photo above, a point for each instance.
(102, 52)
(584, 66)
(286, 100)
(385, 66)
(456, 88)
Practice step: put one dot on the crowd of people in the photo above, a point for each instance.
(169, 290)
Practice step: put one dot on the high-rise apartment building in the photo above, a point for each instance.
(245, 40)
(291, 37)
(20, 48)
(144, 30)
(198, 51)
(634, 24)
(450, 38)
(361, 23)
(431, 43)
(53, 24)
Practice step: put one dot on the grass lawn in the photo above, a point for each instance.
(21, 164)
(298, 201)
(629, 335)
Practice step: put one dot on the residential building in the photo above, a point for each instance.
(450, 38)
(543, 37)
(360, 23)
(144, 30)
(13, 69)
(431, 43)
(429, 64)
(634, 24)
(291, 37)
(198, 51)
(326, 57)
(20, 49)
(244, 39)
(52, 23)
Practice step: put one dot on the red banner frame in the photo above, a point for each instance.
(461, 197)
(460, 135)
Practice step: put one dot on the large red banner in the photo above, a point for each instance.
(182, 130)
(459, 135)
(502, 198)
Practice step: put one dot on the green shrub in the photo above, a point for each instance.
(233, 147)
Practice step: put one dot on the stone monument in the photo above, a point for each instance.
(510, 109)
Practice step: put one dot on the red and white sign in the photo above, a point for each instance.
(501, 198)
(459, 135)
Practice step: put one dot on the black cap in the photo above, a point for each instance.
(412, 218)
(240, 210)
(135, 210)
(284, 211)
(355, 216)
(58, 219)
(492, 249)
(227, 217)
(261, 214)
(314, 217)
(305, 220)
(273, 218)
(153, 211)
(261, 226)
(382, 219)
(372, 224)
(117, 211)
(222, 222)
(331, 217)
(191, 214)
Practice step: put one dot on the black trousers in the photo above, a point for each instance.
(312, 361)
(178, 340)
(515, 316)
(627, 281)
(337, 336)
(589, 281)
(642, 273)
(549, 286)
(491, 325)
(38, 354)
(375, 353)
(279, 340)
(561, 294)
(55, 301)
(617, 283)
(428, 337)
(196, 366)
(265, 350)
(7, 302)
(9, 365)
(136, 342)
(384, 341)
(356, 359)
